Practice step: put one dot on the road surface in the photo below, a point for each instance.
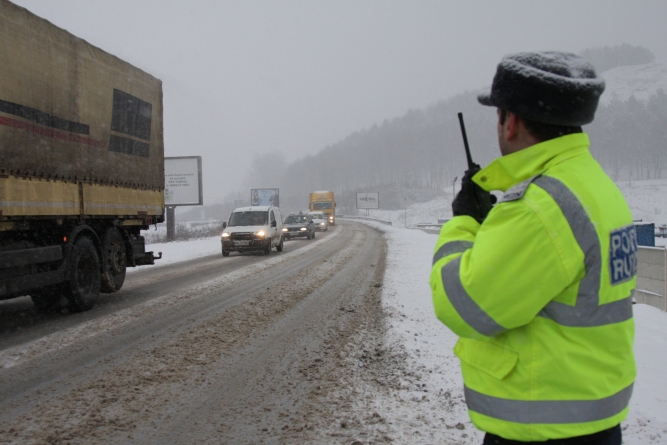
(245, 349)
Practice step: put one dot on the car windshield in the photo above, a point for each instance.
(321, 205)
(296, 219)
(317, 215)
(250, 218)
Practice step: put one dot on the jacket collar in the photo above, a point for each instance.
(504, 172)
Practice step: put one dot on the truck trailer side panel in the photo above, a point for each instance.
(35, 197)
(112, 201)
(69, 110)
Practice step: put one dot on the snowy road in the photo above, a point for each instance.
(227, 353)
(20, 322)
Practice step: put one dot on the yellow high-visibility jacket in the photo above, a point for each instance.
(540, 295)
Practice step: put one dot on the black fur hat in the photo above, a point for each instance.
(550, 87)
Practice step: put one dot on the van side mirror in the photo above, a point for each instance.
(224, 225)
(274, 224)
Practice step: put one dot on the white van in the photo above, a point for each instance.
(255, 228)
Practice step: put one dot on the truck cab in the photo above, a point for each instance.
(324, 202)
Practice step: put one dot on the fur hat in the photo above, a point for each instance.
(550, 87)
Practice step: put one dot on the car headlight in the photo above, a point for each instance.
(225, 235)
(322, 224)
(303, 229)
(260, 233)
(285, 229)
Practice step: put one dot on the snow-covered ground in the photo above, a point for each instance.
(182, 250)
(413, 326)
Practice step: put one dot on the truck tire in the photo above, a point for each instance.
(83, 275)
(279, 247)
(114, 260)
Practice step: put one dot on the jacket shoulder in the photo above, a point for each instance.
(517, 191)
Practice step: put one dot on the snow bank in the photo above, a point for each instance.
(178, 251)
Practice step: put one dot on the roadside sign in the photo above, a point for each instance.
(368, 200)
(183, 181)
(265, 197)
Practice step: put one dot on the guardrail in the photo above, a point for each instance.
(364, 218)
(652, 277)
(431, 230)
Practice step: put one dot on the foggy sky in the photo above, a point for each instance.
(244, 77)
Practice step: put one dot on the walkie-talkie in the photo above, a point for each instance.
(471, 165)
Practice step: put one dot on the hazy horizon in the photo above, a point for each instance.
(256, 77)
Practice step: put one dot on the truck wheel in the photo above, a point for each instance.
(225, 252)
(114, 260)
(83, 275)
(267, 249)
(279, 247)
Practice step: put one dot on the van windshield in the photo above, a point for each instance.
(248, 219)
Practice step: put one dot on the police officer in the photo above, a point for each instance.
(539, 286)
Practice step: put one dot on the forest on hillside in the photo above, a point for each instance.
(605, 58)
(423, 150)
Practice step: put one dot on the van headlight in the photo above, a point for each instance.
(285, 229)
(225, 235)
(260, 233)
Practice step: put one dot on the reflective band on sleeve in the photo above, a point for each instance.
(450, 248)
(548, 411)
(464, 304)
(582, 317)
(588, 312)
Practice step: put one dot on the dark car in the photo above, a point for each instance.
(299, 225)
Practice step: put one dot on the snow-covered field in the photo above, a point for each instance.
(413, 326)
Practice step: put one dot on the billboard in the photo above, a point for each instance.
(264, 197)
(182, 181)
(368, 200)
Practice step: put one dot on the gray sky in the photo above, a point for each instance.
(246, 76)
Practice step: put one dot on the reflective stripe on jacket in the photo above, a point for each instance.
(541, 295)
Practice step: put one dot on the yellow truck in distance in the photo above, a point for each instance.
(324, 202)
(81, 164)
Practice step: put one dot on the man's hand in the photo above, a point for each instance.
(472, 200)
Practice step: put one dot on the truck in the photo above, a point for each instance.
(81, 164)
(324, 201)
